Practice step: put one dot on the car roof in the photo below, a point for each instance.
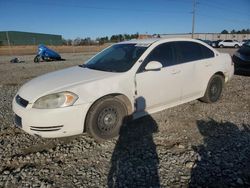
(148, 42)
(141, 41)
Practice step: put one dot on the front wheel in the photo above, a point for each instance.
(214, 89)
(37, 59)
(236, 46)
(105, 118)
(221, 46)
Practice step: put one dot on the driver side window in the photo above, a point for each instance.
(162, 53)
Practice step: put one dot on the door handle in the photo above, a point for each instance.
(175, 71)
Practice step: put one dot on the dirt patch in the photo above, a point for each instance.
(28, 50)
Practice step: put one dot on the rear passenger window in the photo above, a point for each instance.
(192, 51)
(207, 53)
(189, 51)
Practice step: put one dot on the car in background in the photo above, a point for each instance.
(241, 58)
(128, 80)
(230, 43)
(209, 42)
(243, 41)
(215, 44)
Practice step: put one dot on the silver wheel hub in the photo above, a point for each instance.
(109, 119)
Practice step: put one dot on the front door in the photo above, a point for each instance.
(162, 87)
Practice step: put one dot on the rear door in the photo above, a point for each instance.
(196, 68)
(188, 56)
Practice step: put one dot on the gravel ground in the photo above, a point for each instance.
(191, 145)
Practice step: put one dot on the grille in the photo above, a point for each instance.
(22, 102)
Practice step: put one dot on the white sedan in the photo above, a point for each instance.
(128, 79)
(229, 43)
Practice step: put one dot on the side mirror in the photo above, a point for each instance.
(153, 65)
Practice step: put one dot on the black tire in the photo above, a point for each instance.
(221, 46)
(236, 46)
(214, 89)
(37, 59)
(105, 118)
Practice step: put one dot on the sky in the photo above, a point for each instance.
(97, 18)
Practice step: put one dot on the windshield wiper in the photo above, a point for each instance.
(99, 69)
(91, 67)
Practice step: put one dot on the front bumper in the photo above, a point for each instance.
(51, 123)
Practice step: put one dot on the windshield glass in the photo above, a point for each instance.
(117, 58)
(247, 43)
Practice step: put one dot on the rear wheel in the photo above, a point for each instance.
(214, 89)
(105, 118)
(236, 46)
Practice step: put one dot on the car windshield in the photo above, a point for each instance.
(247, 43)
(117, 58)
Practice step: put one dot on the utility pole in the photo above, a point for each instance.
(193, 23)
(8, 40)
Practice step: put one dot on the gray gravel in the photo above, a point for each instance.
(194, 144)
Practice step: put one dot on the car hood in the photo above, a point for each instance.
(244, 50)
(59, 81)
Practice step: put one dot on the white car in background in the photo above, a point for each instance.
(128, 79)
(230, 43)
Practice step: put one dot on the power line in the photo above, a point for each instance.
(234, 11)
(119, 9)
(224, 19)
(194, 12)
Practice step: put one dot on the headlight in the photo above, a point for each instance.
(56, 100)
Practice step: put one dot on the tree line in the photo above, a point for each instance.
(243, 31)
(121, 37)
(100, 40)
